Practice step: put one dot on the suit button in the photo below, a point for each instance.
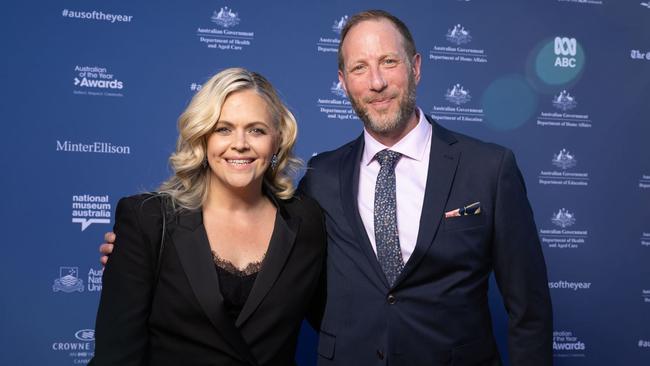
(391, 299)
(380, 354)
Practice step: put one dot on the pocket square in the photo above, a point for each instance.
(471, 209)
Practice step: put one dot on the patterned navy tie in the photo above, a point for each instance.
(389, 253)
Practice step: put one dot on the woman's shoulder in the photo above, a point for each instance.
(143, 202)
(302, 205)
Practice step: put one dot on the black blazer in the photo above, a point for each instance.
(437, 311)
(185, 323)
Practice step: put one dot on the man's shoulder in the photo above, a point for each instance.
(332, 157)
(468, 145)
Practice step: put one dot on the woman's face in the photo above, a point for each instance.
(242, 143)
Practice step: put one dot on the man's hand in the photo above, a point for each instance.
(107, 247)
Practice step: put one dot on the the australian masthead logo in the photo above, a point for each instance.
(224, 37)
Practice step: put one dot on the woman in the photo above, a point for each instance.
(241, 257)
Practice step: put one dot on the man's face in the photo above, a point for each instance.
(378, 76)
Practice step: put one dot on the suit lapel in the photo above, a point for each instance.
(443, 161)
(193, 248)
(282, 240)
(349, 188)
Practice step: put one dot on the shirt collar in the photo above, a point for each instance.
(412, 146)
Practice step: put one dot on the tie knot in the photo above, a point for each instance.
(387, 158)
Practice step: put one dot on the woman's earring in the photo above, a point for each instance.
(204, 164)
(274, 161)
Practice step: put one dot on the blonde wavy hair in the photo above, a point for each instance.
(189, 185)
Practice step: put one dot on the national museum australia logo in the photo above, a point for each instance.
(458, 95)
(225, 17)
(339, 24)
(564, 101)
(564, 160)
(563, 218)
(458, 35)
(68, 280)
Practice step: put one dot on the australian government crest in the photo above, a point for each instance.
(563, 114)
(222, 34)
(562, 172)
(336, 104)
(329, 42)
(456, 48)
(562, 234)
(457, 107)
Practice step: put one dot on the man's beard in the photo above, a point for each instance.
(388, 123)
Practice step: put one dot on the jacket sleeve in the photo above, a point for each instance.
(520, 270)
(122, 337)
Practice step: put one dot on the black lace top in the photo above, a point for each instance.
(235, 284)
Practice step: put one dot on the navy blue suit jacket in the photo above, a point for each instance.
(437, 311)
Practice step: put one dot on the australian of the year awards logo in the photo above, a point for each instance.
(455, 108)
(90, 209)
(336, 104)
(68, 280)
(224, 36)
(80, 346)
(562, 234)
(329, 42)
(563, 175)
(567, 344)
(96, 81)
(456, 48)
(562, 114)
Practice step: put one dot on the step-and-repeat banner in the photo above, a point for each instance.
(91, 91)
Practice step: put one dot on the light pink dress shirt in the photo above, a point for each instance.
(410, 179)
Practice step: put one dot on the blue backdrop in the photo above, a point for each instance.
(91, 91)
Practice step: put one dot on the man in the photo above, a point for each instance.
(417, 218)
